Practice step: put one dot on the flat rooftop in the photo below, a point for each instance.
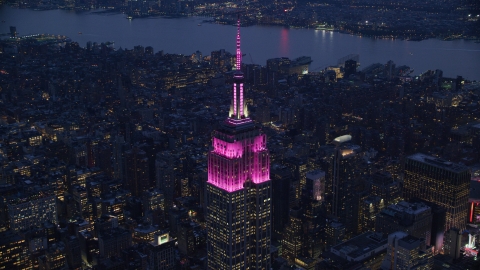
(364, 243)
(410, 208)
(439, 163)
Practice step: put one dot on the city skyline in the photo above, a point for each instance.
(362, 151)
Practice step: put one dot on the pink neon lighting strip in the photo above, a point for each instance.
(242, 114)
(236, 122)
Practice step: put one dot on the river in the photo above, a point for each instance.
(259, 43)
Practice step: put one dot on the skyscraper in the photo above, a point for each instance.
(346, 182)
(441, 182)
(136, 171)
(238, 190)
(292, 242)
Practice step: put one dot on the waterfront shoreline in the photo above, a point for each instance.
(262, 42)
(249, 22)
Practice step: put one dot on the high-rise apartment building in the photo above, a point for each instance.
(441, 182)
(238, 190)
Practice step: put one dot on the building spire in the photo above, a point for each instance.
(238, 109)
(239, 53)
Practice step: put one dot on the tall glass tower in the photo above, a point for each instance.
(238, 190)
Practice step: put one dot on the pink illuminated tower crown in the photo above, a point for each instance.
(238, 190)
(238, 155)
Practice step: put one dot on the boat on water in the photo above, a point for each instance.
(199, 24)
(79, 33)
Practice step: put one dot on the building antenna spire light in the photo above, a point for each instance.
(237, 111)
(239, 52)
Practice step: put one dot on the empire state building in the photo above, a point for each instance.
(238, 190)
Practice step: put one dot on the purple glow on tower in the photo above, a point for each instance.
(231, 164)
(238, 157)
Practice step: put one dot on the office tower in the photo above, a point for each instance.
(474, 202)
(453, 243)
(292, 242)
(367, 248)
(89, 246)
(346, 182)
(299, 169)
(105, 224)
(73, 252)
(314, 191)
(369, 208)
(383, 185)
(177, 216)
(389, 70)
(350, 68)
(118, 156)
(112, 242)
(238, 190)
(33, 210)
(13, 31)
(13, 251)
(441, 182)
(412, 218)
(438, 225)
(153, 202)
(186, 239)
(312, 197)
(82, 206)
(161, 252)
(54, 258)
(334, 233)
(407, 252)
(281, 179)
(136, 171)
(165, 176)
